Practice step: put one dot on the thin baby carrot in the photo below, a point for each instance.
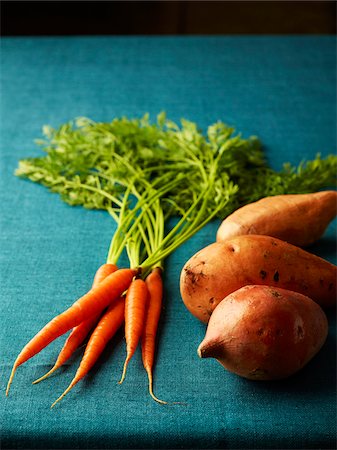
(110, 322)
(90, 304)
(154, 284)
(135, 309)
(103, 271)
(80, 332)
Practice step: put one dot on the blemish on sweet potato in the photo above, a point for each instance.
(275, 293)
(258, 373)
(300, 332)
(263, 274)
(209, 312)
(192, 276)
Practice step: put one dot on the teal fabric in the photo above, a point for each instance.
(282, 89)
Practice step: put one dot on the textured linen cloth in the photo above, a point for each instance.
(282, 89)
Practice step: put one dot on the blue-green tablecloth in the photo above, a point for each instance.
(282, 89)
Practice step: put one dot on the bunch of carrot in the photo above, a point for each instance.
(125, 296)
(134, 295)
(130, 295)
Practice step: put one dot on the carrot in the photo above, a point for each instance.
(90, 304)
(135, 309)
(103, 271)
(110, 322)
(80, 332)
(154, 284)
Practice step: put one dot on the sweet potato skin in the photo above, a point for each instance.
(265, 333)
(223, 267)
(299, 219)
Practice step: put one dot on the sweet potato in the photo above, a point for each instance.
(299, 219)
(223, 267)
(264, 333)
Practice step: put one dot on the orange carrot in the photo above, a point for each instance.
(135, 309)
(154, 284)
(110, 322)
(80, 332)
(103, 271)
(90, 304)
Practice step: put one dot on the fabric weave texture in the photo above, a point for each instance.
(282, 89)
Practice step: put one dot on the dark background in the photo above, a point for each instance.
(167, 17)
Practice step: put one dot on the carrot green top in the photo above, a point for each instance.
(142, 173)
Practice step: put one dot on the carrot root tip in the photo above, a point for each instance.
(45, 376)
(124, 370)
(63, 395)
(156, 399)
(11, 379)
(162, 402)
